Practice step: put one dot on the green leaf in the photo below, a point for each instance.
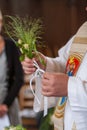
(21, 58)
(45, 123)
(27, 31)
(18, 127)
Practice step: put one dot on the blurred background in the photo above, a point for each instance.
(61, 19)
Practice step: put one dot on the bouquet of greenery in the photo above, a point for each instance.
(18, 127)
(26, 33)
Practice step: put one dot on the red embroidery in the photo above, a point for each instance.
(73, 64)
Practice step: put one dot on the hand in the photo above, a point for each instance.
(28, 65)
(54, 84)
(3, 109)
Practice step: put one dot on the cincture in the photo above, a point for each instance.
(37, 94)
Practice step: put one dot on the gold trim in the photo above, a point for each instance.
(59, 115)
(76, 55)
(61, 107)
(80, 40)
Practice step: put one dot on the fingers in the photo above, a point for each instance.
(27, 62)
(46, 84)
(47, 92)
(45, 79)
(28, 66)
(54, 84)
(28, 69)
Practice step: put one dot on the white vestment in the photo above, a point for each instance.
(76, 106)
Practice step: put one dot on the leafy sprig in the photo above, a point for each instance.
(26, 33)
(18, 127)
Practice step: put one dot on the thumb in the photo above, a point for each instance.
(46, 75)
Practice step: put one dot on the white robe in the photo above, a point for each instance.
(76, 106)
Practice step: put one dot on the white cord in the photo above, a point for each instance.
(38, 72)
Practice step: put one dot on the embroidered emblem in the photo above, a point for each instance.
(73, 64)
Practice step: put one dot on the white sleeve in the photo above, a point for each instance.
(58, 64)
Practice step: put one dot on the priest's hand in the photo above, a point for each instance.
(54, 84)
